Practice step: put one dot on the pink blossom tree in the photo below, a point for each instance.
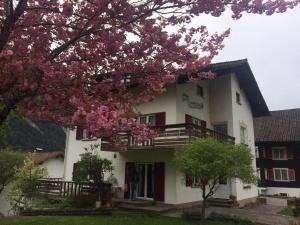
(87, 62)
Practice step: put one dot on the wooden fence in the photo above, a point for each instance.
(65, 189)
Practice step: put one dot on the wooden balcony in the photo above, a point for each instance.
(169, 136)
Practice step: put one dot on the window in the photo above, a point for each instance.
(263, 152)
(200, 91)
(196, 121)
(258, 173)
(147, 119)
(279, 153)
(238, 98)
(243, 135)
(221, 128)
(266, 173)
(281, 174)
(256, 152)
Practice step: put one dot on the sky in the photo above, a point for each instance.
(272, 46)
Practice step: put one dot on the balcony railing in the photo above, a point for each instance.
(169, 136)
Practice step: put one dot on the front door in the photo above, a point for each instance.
(145, 187)
(223, 189)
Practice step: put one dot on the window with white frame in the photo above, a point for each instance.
(147, 119)
(263, 152)
(281, 174)
(256, 152)
(279, 153)
(243, 134)
(258, 173)
(266, 173)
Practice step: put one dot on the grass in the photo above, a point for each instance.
(116, 219)
(288, 211)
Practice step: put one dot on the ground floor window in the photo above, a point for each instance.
(281, 174)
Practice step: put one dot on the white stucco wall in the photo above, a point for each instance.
(242, 116)
(221, 102)
(291, 192)
(73, 150)
(219, 106)
(162, 103)
(182, 106)
(145, 156)
(55, 167)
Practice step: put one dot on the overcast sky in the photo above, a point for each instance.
(272, 46)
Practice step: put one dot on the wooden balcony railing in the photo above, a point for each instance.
(169, 136)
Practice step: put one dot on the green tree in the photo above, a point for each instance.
(25, 185)
(10, 161)
(207, 160)
(92, 168)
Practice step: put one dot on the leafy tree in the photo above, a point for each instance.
(74, 62)
(25, 185)
(92, 168)
(10, 161)
(207, 160)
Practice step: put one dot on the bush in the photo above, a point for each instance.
(230, 219)
(296, 210)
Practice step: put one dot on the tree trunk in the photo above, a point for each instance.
(204, 197)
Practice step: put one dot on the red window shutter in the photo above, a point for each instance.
(188, 119)
(79, 133)
(188, 181)
(159, 181)
(270, 174)
(160, 119)
(203, 123)
(290, 152)
(269, 153)
(292, 175)
(129, 172)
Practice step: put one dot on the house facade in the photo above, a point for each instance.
(222, 108)
(277, 139)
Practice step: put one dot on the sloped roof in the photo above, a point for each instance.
(247, 82)
(281, 126)
(30, 135)
(41, 157)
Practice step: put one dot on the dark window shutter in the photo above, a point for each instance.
(129, 172)
(75, 170)
(270, 174)
(188, 119)
(188, 181)
(292, 175)
(159, 181)
(290, 152)
(79, 133)
(269, 153)
(160, 119)
(203, 124)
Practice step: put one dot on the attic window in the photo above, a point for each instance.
(200, 91)
(238, 98)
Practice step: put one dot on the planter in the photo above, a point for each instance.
(98, 204)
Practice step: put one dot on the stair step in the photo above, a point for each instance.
(220, 202)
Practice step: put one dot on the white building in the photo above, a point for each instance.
(223, 107)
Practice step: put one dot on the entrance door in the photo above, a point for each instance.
(145, 180)
(223, 189)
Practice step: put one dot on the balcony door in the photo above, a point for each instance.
(145, 185)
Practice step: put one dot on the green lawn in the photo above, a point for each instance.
(288, 211)
(116, 219)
